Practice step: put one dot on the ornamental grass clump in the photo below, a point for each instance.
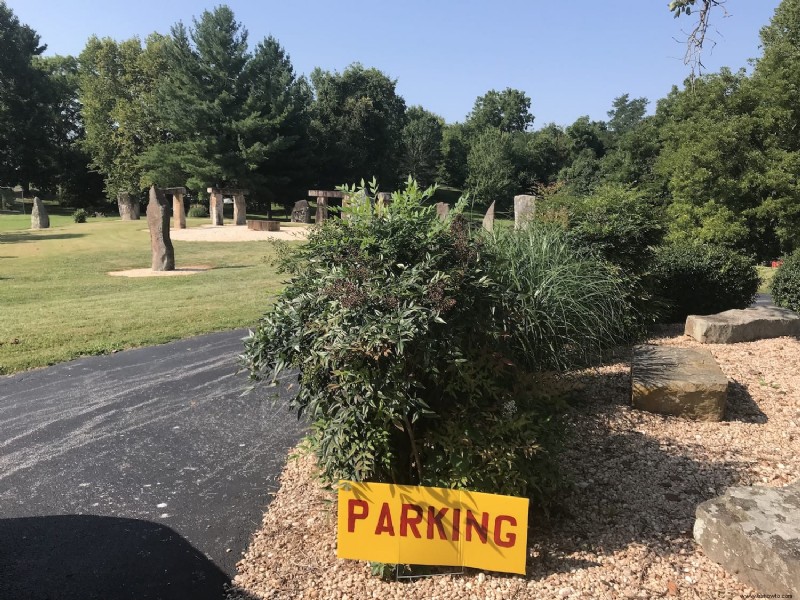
(411, 363)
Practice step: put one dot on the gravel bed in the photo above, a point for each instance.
(626, 527)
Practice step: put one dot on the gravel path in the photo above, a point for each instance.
(238, 233)
(626, 530)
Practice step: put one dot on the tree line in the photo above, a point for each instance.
(198, 107)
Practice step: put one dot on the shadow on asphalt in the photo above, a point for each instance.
(89, 557)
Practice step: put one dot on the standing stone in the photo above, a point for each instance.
(524, 209)
(301, 213)
(39, 218)
(178, 214)
(129, 208)
(382, 202)
(239, 209)
(322, 209)
(488, 218)
(163, 254)
(442, 210)
(215, 206)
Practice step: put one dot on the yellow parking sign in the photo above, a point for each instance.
(432, 526)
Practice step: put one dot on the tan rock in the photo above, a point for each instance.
(683, 382)
(488, 218)
(747, 325)
(39, 218)
(524, 209)
(754, 533)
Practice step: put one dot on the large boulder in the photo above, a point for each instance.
(754, 533)
(682, 382)
(163, 255)
(39, 218)
(301, 213)
(747, 325)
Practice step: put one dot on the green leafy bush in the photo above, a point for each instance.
(786, 283)
(419, 361)
(80, 215)
(701, 279)
(197, 211)
(623, 226)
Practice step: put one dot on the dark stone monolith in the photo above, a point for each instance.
(158, 223)
(301, 213)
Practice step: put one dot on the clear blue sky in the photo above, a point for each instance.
(572, 57)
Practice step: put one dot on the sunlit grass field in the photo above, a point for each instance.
(57, 301)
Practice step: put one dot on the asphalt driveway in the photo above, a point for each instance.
(140, 474)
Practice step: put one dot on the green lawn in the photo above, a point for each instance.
(58, 302)
(766, 273)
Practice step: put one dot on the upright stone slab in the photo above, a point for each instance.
(178, 212)
(163, 255)
(301, 213)
(488, 218)
(682, 382)
(442, 210)
(129, 208)
(239, 209)
(524, 209)
(322, 209)
(746, 325)
(215, 206)
(754, 533)
(382, 201)
(39, 218)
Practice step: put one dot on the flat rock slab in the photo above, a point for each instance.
(682, 382)
(747, 325)
(754, 533)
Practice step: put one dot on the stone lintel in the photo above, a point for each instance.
(175, 190)
(228, 191)
(325, 194)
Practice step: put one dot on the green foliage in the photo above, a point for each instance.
(80, 216)
(402, 342)
(250, 105)
(422, 145)
(508, 111)
(26, 114)
(711, 222)
(492, 172)
(619, 222)
(118, 83)
(357, 121)
(453, 167)
(197, 210)
(565, 307)
(701, 279)
(786, 283)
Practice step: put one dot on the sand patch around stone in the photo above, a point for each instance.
(192, 270)
(238, 233)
